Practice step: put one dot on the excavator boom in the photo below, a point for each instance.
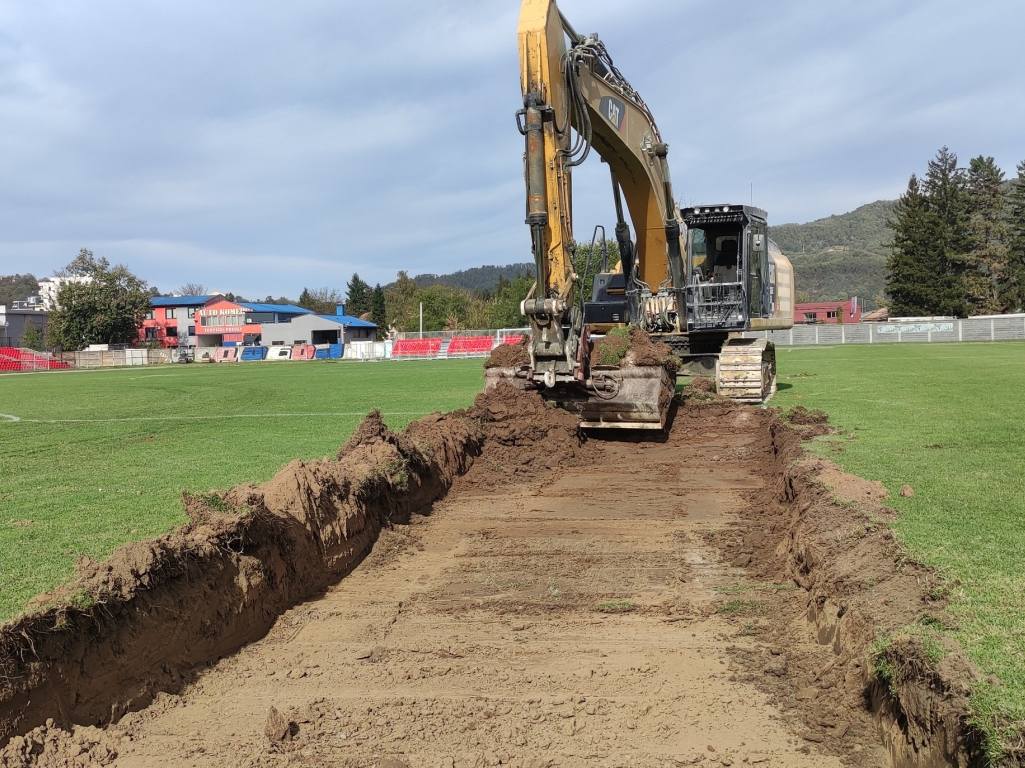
(575, 100)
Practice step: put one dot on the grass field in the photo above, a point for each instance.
(100, 458)
(946, 419)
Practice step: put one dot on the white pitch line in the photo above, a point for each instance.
(200, 418)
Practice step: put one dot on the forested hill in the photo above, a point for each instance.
(839, 256)
(16, 288)
(834, 258)
(862, 229)
(476, 278)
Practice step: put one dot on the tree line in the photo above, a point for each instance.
(958, 246)
(111, 305)
(451, 307)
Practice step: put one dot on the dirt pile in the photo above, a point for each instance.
(801, 415)
(621, 346)
(632, 346)
(51, 747)
(524, 434)
(644, 351)
(703, 385)
(137, 623)
(509, 355)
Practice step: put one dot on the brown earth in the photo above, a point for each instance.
(636, 348)
(644, 351)
(703, 599)
(801, 415)
(702, 384)
(509, 355)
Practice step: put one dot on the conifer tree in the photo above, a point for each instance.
(378, 311)
(988, 248)
(929, 251)
(357, 301)
(30, 337)
(1012, 278)
(949, 233)
(911, 268)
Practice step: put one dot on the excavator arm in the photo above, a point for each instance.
(621, 129)
(577, 87)
(695, 297)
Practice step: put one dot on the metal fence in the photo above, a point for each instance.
(990, 328)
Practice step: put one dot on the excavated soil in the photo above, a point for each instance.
(509, 355)
(636, 348)
(533, 598)
(644, 351)
(703, 385)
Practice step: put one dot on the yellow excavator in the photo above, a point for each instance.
(693, 278)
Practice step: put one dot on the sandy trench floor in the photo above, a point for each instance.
(565, 621)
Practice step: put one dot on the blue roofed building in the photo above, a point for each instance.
(315, 329)
(214, 321)
(223, 323)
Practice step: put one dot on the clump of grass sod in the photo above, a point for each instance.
(616, 606)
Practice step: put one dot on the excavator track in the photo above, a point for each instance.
(746, 370)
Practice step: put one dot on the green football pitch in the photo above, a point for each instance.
(947, 420)
(96, 459)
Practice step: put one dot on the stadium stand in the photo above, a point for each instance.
(471, 345)
(416, 348)
(513, 339)
(17, 359)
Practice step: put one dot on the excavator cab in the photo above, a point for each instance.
(727, 264)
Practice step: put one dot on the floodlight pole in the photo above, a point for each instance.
(421, 319)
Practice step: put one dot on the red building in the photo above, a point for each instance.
(828, 312)
(170, 317)
(223, 323)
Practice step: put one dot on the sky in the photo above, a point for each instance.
(261, 147)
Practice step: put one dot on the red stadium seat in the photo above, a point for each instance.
(15, 359)
(471, 345)
(416, 347)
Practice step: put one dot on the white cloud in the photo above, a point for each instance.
(262, 147)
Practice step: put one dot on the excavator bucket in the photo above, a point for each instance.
(633, 397)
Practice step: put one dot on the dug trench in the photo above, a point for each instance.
(490, 587)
